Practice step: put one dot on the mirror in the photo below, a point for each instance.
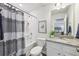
(61, 20)
(59, 25)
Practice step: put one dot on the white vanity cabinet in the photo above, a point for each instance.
(58, 49)
(54, 49)
(70, 50)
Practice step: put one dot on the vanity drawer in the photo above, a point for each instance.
(54, 49)
(52, 52)
(70, 49)
(55, 45)
(1, 48)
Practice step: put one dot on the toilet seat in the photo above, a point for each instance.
(36, 51)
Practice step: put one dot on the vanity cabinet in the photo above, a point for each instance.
(1, 48)
(71, 50)
(58, 49)
(54, 49)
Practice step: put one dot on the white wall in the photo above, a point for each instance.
(30, 28)
(44, 13)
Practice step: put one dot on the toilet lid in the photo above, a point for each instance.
(36, 50)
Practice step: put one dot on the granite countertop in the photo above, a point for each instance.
(72, 42)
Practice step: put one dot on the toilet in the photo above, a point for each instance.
(36, 51)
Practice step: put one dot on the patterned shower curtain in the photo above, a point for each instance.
(12, 25)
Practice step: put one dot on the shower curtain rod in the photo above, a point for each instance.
(22, 10)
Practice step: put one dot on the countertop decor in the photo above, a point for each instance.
(51, 34)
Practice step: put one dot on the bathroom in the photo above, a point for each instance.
(39, 29)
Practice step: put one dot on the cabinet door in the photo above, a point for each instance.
(1, 48)
(61, 49)
(55, 45)
(53, 49)
(71, 50)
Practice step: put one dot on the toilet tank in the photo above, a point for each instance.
(41, 41)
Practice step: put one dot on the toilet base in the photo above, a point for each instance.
(37, 55)
(36, 51)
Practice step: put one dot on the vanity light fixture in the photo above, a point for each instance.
(64, 5)
(60, 5)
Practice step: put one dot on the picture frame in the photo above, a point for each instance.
(42, 26)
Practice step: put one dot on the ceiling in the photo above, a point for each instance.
(29, 7)
(61, 10)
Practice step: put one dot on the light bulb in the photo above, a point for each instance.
(20, 5)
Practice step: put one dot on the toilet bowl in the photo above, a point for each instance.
(36, 51)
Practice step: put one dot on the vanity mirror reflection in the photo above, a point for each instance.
(59, 26)
(62, 21)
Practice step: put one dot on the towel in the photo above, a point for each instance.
(1, 28)
(77, 35)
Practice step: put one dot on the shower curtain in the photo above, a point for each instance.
(12, 25)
